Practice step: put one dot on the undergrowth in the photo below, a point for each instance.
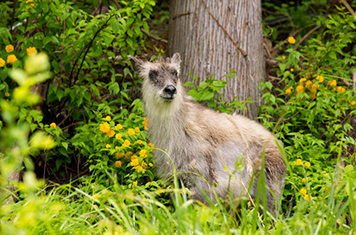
(86, 116)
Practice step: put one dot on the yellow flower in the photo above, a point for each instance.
(143, 152)
(11, 59)
(302, 80)
(291, 40)
(139, 141)
(283, 57)
(110, 133)
(300, 89)
(150, 164)
(303, 191)
(292, 70)
(134, 183)
(119, 155)
(308, 83)
(299, 162)
(108, 146)
(108, 118)
(304, 180)
(31, 51)
(307, 164)
(315, 87)
(118, 127)
(104, 127)
(288, 91)
(53, 125)
(117, 147)
(31, 4)
(143, 172)
(134, 162)
(2, 62)
(128, 154)
(353, 102)
(320, 78)
(9, 48)
(138, 168)
(332, 83)
(118, 164)
(307, 197)
(150, 144)
(118, 136)
(7, 94)
(126, 143)
(131, 131)
(134, 157)
(137, 129)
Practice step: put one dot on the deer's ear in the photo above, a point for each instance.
(136, 63)
(176, 59)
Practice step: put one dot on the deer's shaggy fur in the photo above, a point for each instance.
(205, 145)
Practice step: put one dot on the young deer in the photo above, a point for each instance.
(205, 146)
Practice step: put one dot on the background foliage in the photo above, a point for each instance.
(71, 114)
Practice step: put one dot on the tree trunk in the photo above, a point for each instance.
(216, 36)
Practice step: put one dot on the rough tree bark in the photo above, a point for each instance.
(216, 36)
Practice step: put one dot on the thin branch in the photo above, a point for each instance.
(306, 35)
(292, 35)
(117, 4)
(89, 45)
(233, 41)
(154, 37)
(272, 78)
(13, 17)
(179, 15)
(268, 53)
(349, 8)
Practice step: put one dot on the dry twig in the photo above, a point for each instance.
(155, 37)
(306, 35)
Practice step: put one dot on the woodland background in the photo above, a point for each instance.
(74, 155)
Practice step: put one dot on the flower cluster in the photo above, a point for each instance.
(131, 152)
(11, 59)
(31, 4)
(303, 191)
(311, 86)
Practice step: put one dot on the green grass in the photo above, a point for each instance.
(91, 208)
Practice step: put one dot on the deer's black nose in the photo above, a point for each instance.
(171, 90)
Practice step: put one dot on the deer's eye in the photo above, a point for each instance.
(152, 74)
(175, 73)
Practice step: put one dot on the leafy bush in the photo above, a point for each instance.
(87, 54)
(208, 92)
(311, 112)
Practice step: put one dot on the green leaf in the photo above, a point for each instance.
(115, 25)
(42, 141)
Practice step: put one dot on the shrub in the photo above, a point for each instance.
(310, 113)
